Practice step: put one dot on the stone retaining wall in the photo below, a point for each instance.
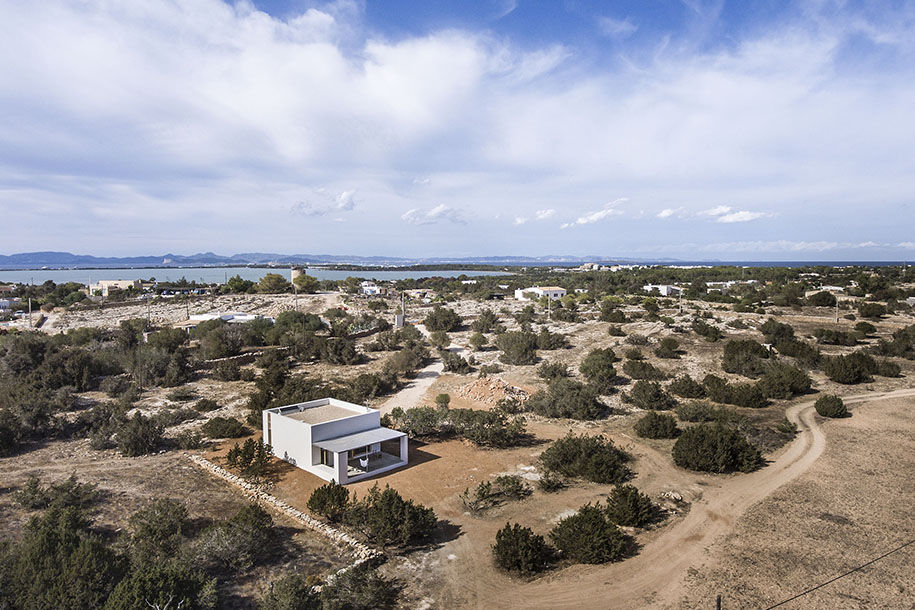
(362, 552)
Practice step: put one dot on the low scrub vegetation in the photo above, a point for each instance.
(831, 406)
(650, 395)
(593, 458)
(657, 425)
(627, 506)
(489, 494)
(519, 550)
(715, 448)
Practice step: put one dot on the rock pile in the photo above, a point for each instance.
(491, 390)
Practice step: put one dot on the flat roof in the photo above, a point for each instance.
(549, 287)
(321, 414)
(359, 439)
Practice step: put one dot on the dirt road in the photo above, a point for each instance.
(655, 576)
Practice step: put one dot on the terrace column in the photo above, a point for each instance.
(341, 464)
(404, 450)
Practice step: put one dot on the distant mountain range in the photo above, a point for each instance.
(37, 260)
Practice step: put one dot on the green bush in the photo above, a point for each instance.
(698, 411)
(634, 354)
(67, 493)
(888, 368)
(567, 398)
(589, 457)
(744, 357)
(865, 328)
(224, 427)
(636, 339)
(657, 425)
(650, 395)
(589, 537)
(550, 482)
(138, 435)
(835, 337)
(597, 368)
(830, 406)
(629, 507)
(775, 331)
(706, 330)
(227, 370)
(237, 543)
(163, 585)
(290, 592)
(552, 370)
(158, 529)
(639, 369)
(205, 405)
(489, 494)
(871, 310)
(250, 459)
(442, 318)
(715, 448)
(822, 299)
(518, 347)
(360, 588)
(329, 501)
(687, 387)
(384, 517)
(851, 369)
(616, 330)
(782, 380)
(739, 394)
(519, 550)
(668, 348)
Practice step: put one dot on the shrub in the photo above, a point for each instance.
(439, 339)
(490, 369)
(888, 368)
(822, 299)
(830, 406)
(616, 330)
(173, 417)
(634, 354)
(227, 370)
(519, 550)
(706, 330)
(597, 368)
(552, 370)
(804, 353)
(183, 394)
(224, 427)
(442, 318)
(871, 310)
(360, 588)
(589, 457)
(775, 331)
(635, 339)
(250, 459)
(865, 328)
(486, 322)
(639, 369)
(784, 381)
(384, 517)
(650, 395)
(478, 341)
(715, 448)
(67, 493)
(290, 592)
(567, 398)
(834, 337)
(740, 394)
(687, 387)
(668, 348)
(657, 425)
(851, 369)
(159, 585)
(629, 507)
(550, 341)
(493, 493)
(698, 411)
(205, 405)
(158, 529)
(588, 537)
(518, 347)
(188, 439)
(550, 482)
(238, 542)
(744, 357)
(329, 501)
(139, 435)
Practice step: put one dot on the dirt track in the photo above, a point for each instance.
(655, 576)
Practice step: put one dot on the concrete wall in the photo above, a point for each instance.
(349, 425)
(290, 439)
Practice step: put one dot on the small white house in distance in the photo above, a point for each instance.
(370, 288)
(104, 287)
(554, 292)
(665, 290)
(333, 439)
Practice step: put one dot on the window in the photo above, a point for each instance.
(327, 458)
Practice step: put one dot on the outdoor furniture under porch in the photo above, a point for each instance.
(364, 454)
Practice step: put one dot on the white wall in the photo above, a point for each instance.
(290, 439)
(349, 425)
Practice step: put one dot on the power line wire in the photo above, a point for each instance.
(852, 571)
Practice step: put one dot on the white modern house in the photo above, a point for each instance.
(535, 292)
(370, 288)
(335, 440)
(665, 290)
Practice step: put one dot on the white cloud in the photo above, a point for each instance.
(544, 214)
(668, 212)
(607, 211)
(321, 202)
(616, 28)
(716, 211)
(440, 212)
(520, 220)
(742, 216)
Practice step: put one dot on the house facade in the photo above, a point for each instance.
(665, 290)
(536, 292)
(334, 439)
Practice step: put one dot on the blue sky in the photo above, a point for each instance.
(762, 130)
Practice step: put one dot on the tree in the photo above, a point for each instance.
(158, 529)
(668, 348)
(551, 371)
(685, 386)
(639, 369)
(273, 283)
(440, 339)
(650, 395)
(590, 457)
(744, 357)
(851, 369)
(238, 542)
(290, 592)
(138, 436)
(386, 518)
(443, 400)
(224, 427)
(518, 549)
(330, 501)
(657, 425)
(567, 398)
(871, 310)
(588, 537)
(629, 507)
(597, 367)
(360, 588)
(715, 448)
(784, 381)
(442, 318)
(163, 585)
(822, 299)
(237, 285)
(518, 347)
(307, 284)
(11, 433)
(830, 406)
(486, 322)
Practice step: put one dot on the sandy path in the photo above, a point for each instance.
(411, 395)
(655, 576)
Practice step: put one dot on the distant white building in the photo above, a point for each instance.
(103, 287)
(334, 440)
(8, 304)
(581, 291)
(536, 292)
(468, 282)
(232, 317)
(370, 288)
(665, 290)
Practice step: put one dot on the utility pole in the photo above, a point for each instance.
(837, 310)
(148, 322)
(30, 312)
